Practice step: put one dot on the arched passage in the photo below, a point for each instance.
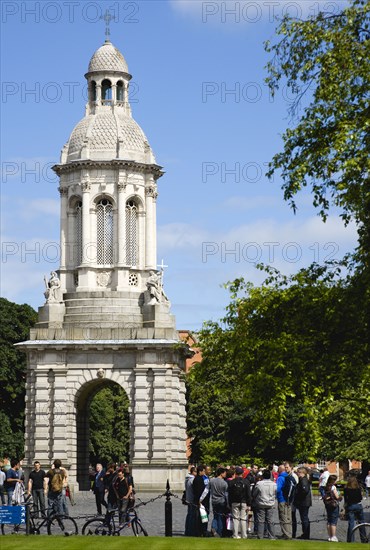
(103, 426)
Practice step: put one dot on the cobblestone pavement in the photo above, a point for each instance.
(153, 518)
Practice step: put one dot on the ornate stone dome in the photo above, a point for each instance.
(108, 58)
(107, 136)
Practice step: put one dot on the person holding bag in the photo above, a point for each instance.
(331, 500)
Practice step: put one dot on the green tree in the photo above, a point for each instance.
(16, 321)
(278, 367)
(325, 61)
(109, 425)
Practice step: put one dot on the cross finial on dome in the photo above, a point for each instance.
(107, 18)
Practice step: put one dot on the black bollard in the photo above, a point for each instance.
(27, 520)
(168, 512)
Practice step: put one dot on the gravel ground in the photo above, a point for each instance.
(153, 517)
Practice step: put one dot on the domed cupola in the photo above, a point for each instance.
(108, 131)
(108, 58)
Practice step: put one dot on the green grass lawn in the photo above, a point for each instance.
(12, 542)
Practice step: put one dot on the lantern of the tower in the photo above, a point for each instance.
(108, 189)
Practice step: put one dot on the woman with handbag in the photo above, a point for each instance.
(353, 507)
(331, 500)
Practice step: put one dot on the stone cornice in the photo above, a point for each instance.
(140, 167)
(94, 344)
(126, 76)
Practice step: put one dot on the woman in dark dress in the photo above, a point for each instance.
(353, 506)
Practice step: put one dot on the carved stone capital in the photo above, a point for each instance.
(86, 186)
(151, 191)
(63, 191)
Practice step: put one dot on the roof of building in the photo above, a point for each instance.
(108, 135)
(108, 58)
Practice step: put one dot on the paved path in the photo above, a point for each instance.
(152, 515)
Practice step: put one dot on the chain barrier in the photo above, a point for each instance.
(229, 515)
(141, 503)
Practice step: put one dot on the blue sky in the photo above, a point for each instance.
(199, 94)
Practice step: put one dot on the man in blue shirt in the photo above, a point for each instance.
(284, 508)
(12, 478)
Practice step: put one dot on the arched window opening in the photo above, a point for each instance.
(93, 91)
(78, 232)
(104, 211)
(132, 234)
(106, 90)
(120, 90)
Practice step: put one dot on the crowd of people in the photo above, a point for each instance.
(48, 489)
(243, 501)
(113, 487)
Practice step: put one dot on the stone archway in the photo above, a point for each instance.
(83, 400)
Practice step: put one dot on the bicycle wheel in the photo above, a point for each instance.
(138, 529)
(62, 525)
(96, 527)
(11, 529)
(361, 533)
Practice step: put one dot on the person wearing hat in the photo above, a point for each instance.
(240, 502)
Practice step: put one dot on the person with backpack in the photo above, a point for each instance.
(53, 487)
(264, 495)
(303, 501)
(331, 500)
(240, 501)
(122, 487)
(218, 489)
(285, 490)
(252, 477)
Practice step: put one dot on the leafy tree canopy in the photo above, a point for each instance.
(326, 63)
(109, 425)
(288, 357)
(16, 321)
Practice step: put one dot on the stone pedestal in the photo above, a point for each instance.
(51, 315)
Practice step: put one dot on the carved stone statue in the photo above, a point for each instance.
(155, 289)
(53, 292)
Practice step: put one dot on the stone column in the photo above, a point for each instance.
(150, 226)
(42, 446)
(114, 94)
(86, 240)
(64, 237)
(121, 186)
(141, 415)
(58, 414)
(98, 94)
(141, 239)
(161, 427)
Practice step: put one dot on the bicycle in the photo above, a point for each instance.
(108, 527)
(361, 533)
(56, 524)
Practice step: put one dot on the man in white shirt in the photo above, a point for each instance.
(367, 484)
(323, 480)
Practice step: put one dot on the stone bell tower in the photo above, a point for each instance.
(107, 319)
